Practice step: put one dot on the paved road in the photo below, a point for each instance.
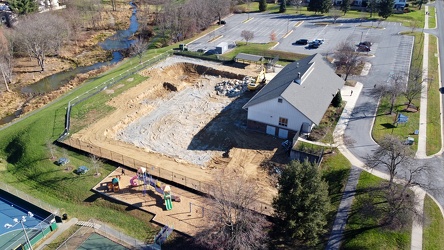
(360, 126)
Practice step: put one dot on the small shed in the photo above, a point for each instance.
(242, 57)
(222, 48)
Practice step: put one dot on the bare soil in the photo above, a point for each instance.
(190, 131)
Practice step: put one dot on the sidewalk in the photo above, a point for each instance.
(336, 235)
(62, 227)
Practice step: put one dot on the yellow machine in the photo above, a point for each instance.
(259, 80)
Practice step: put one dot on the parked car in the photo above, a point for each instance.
(301, 42)
(319, 41)
(365, 43)
(363, 48)
(313, 45)
(222, 22)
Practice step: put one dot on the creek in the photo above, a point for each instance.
(117, 42)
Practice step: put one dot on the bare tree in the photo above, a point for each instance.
(247, 35)
(219, 8)
(273, 36)
(41, 34)
(232, 225)
(398, 159)
(6, 56)
(75, 21)
(297, 4)
(347, 59)
(138, 47)
(114, 5)
(413, 91)
(396, 86)
(96, 163)
(51, 148)
(335, 14)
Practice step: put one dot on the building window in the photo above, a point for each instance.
(279, 100)
(283, 121)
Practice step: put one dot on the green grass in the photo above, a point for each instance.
(363, 230)
(262, 50)
(432, 18)
(433, 101)
(30, 169)
(335, 170)
(384, 122)
(433, 226)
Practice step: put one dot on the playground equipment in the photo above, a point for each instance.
(142, 178)
(167, 198)
(115, 182)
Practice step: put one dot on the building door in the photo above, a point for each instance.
(283, 133)
(271, 130)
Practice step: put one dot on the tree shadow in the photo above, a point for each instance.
(388, 125)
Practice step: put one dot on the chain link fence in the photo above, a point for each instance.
(29, 198)
(92, 226)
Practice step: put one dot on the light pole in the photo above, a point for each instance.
(288, 22)
(21, 221)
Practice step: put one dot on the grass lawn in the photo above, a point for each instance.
(364, 230)
(384, 122)
(335, 170)
(28, 167)
(433, 101)
(433, 226)
(432, 18)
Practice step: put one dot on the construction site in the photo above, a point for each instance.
(183, 123)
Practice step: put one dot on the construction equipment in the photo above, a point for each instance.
(259, 80)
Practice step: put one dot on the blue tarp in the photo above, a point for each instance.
(402, 118)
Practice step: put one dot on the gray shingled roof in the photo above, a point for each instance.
(249, 57)
(312, 97)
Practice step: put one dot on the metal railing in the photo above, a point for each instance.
(94, 226)
(156, 171)
(106, 84)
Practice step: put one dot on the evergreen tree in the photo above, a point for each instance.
(337, 100)
(385, 8)
(322, 6)
(302, 202)
(283, 6)
(23, 6)
(262, 5)
(314, 5)
(345, 6)
(325, 6)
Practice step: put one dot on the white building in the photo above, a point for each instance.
(295, 100)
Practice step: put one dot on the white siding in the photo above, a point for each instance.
(269, 112)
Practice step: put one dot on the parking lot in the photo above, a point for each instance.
(389, 53)
(298, 26)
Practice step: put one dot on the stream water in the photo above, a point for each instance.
(115, 43)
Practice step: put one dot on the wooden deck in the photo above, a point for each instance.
(187, 216)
